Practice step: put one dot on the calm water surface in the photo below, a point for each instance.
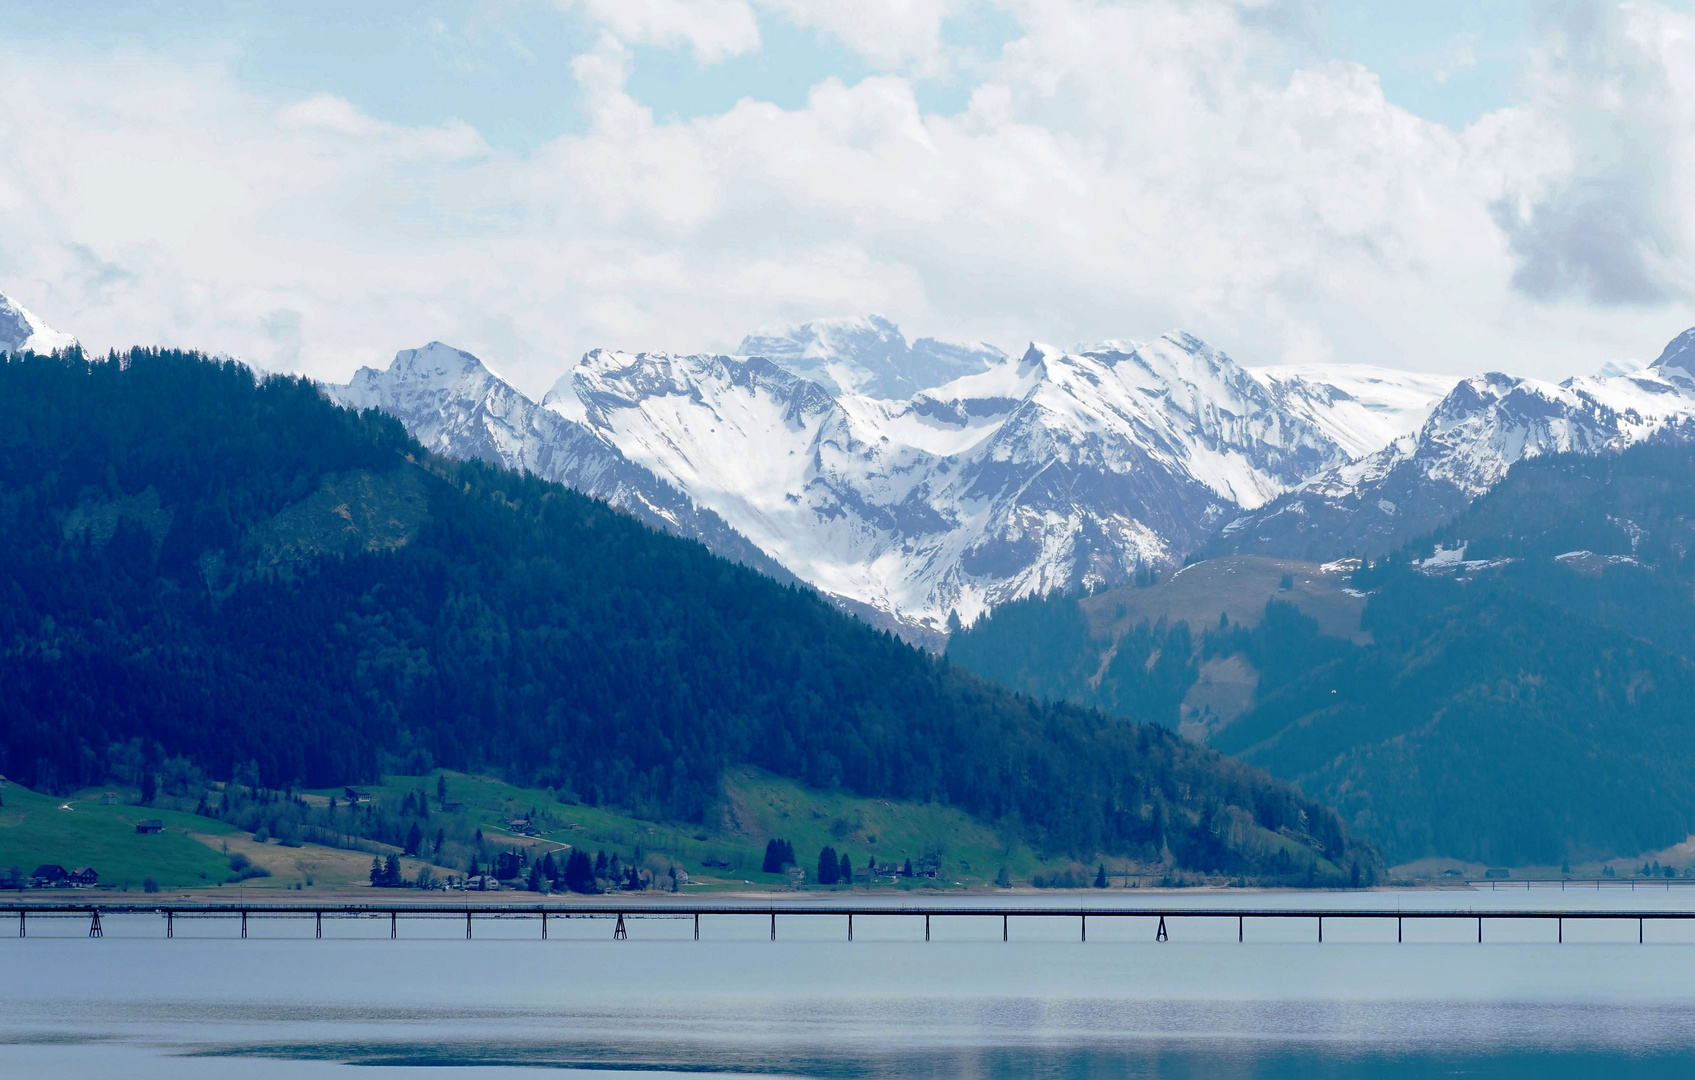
(964, 1004)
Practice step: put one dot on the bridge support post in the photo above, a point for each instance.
(22, 915)
(1084, 928)
(170, 924)
(773, 926)
(1562, 938)
(544, 926)
(1480, 929)
(1398, 937)
(926, 928)
(1238, 929)
(94, 924)
(618, 932)
(467, 924)
(1003, 927)
(697, 926)
(244, 925)
(318, 924)
(850, 926)
(1321, 929)
(393, 925)
(1160, 934)
(1638, 931)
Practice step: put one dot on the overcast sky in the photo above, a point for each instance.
(1442, 186)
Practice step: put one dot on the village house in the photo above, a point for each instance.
(149, 825)
(83, 877)
(48, 876)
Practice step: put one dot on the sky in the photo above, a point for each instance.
(1441, 186)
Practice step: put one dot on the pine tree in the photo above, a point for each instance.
(391, 872)
(441, 792)
(845, 874)
(906, 870)
(441, 838)
(414, 839)
(1003, 879)
(829, 866)
(1100, 876)
(376, 871)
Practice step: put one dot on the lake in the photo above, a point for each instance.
(965, 1004)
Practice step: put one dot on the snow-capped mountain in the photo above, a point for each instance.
(454, 405)
(868, 355)
(21, 331)
(1048, 470)
(1470, 440)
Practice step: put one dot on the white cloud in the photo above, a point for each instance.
(1120, 170)
(713, 29)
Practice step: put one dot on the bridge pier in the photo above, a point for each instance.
(619, 933)
(850, 926)
(926, 927)
(21, 916)
(393, 925)
(318, 925)
(1003, 927)
(1160, 934)
(697, 926)
(170, 924)
(1321, 929)
(1084, 928)
(244, 925)
(94, 924)
(467, 924)
(544, 925)
(1238, 929)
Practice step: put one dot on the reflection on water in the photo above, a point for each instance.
(208, 1004)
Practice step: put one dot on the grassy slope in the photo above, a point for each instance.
(36, 829)
(1238, 585)
(757, 806)
(193, 851)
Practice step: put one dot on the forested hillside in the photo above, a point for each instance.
(239, 574)
(1520, 692)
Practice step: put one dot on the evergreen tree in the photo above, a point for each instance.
(829, 866)
(579, 872)
(391, 872)
(414, 839)
(441, 838)
(779, 855)
(376, 871)
(845, 873)
(906, 870)
(1100, 876)
(441, 791)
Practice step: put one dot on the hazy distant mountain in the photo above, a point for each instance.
(1470, 440)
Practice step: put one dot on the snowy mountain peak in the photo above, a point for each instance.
(867, 355)
(21, 331)
(1678, 357)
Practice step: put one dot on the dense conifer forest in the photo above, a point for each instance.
(203, 567)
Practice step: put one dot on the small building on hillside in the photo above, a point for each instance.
(83, 877)
(48, 875)
(109, 799)
(509, 864)
(149, 825)
(355, 796)
(1497, 872)
(522, 826)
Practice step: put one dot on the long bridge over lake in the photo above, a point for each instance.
(1164, 920)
